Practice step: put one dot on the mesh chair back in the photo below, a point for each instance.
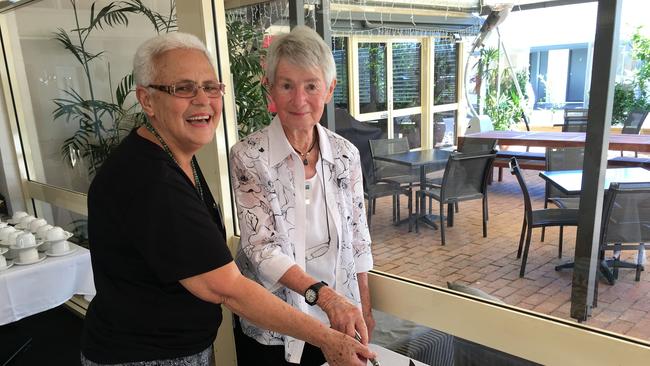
(466, 176)
(626, 213)
(575, 120)
(516, 171)
(474, 145)
(633, 123)
(562, 158)
(384, 169)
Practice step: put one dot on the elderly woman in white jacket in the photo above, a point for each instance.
(299, 194)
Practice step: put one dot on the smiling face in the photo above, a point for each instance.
(299, 94)
(185, 124)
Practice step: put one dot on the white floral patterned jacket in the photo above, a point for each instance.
(265, 171)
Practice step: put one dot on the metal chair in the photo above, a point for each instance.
(575, 120)
(626, 225)
(538, 218)
(390, 172)
(373, 189)
(465, 179)
(562, 158)
(633, 124)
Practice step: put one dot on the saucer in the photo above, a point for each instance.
(13, 247)
(72, 250)
(67, 236)
(9, 264)
(41, 256)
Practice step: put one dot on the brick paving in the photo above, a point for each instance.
(490, 264)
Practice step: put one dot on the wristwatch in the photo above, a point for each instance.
(311, 294)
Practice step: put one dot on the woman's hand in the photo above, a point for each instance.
(370, 322)
(343, 316)
(340, 350)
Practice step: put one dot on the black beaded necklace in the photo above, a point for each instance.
(197, 182)
(305, 156)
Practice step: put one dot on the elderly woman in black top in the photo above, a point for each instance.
(160, 260)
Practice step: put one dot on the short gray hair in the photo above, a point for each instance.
(304, 47)
(144, 59)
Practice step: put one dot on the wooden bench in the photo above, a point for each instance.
(526, 160)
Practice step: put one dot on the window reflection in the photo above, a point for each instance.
(406, 75)
(409, 127)
(340, 51)
(445, 57)
(82, 103)
(372, 77)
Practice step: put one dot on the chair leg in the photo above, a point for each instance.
(374, 206)
(561, 241)
(544, 227)
(484, 218)
(456, 206)
(500, 174)
(521, 239)
(418, 197)
(410, 207)
(450, 215)
(529, 234)
(559, 248)
(398, 208)
(394, 211)
(442, 223)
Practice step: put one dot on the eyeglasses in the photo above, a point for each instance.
(189, 89)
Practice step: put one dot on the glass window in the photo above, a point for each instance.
(340, 51)
(445, 59)
(82, 101)
(409, 127)
(444, 128)
(406, 74)
(372, 77)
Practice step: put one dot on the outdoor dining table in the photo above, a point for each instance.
(622, 142)
(570, 182)
(426, 160)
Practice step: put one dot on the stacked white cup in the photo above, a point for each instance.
(57, 238)
(26, 247)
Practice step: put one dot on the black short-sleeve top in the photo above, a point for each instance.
(148, 228)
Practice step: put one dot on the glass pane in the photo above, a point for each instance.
(426, 346)
(382, 124)
(81, 107)
(406, 74)
(340, 51)
(409, 127)
(70, 221)
(372, 77)
(445, 58)
(444, 128)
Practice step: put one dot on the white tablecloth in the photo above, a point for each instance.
(389, 358)
(31, 289)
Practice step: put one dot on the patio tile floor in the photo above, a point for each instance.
(490, 264)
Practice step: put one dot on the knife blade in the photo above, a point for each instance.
(373, 361)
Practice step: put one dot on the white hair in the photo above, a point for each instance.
(303, 47)
(144, 60)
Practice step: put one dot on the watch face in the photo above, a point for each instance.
(310, 296)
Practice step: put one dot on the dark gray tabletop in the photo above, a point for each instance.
(418, 158)
(570, 181)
